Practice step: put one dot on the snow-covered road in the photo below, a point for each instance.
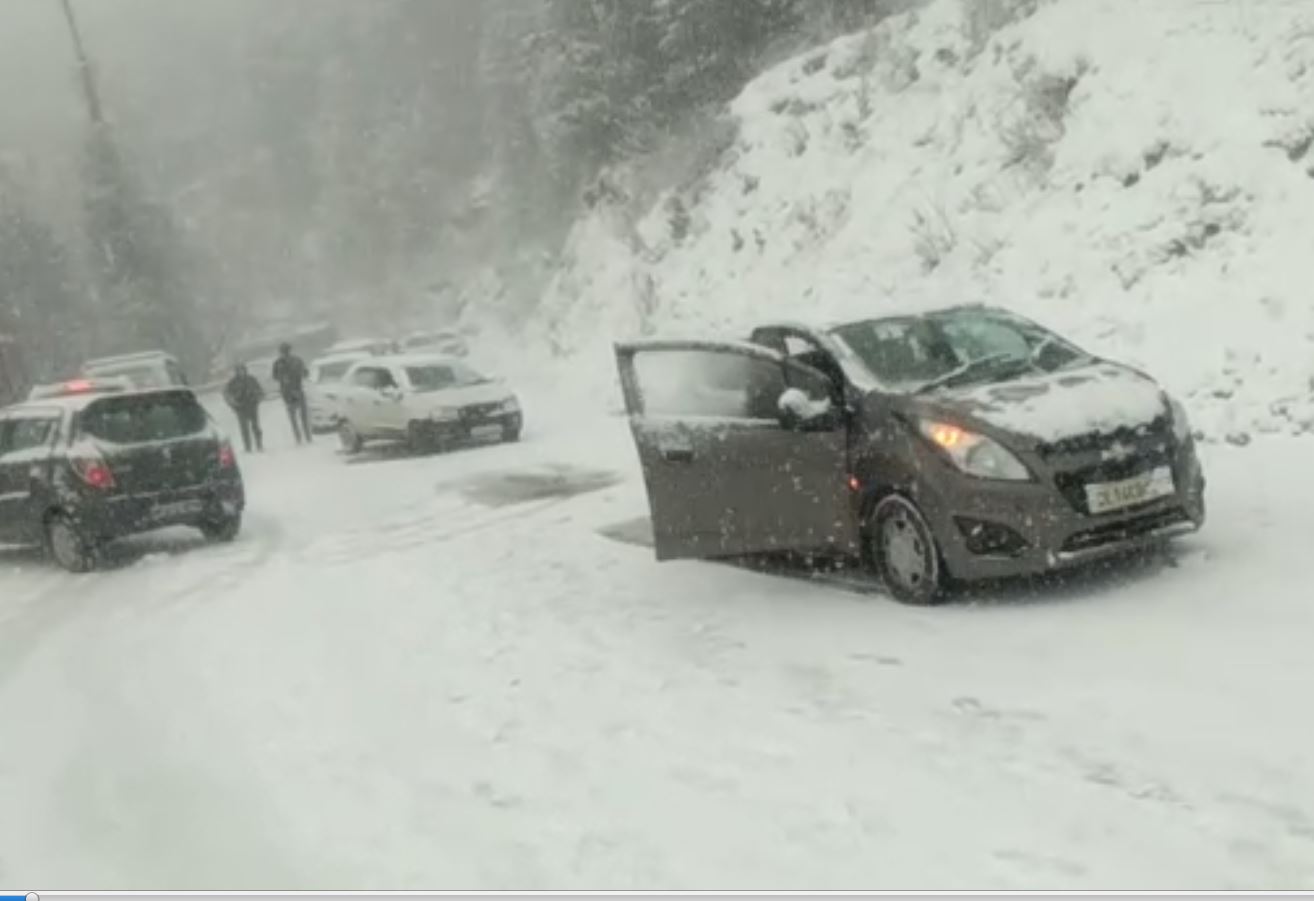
(436, 672)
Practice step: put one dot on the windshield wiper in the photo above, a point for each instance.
(971, 369)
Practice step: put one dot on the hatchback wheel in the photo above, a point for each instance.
(905, 553)
(69, 546)
(349, 437)
(222, 530)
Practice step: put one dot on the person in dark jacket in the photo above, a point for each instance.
(290, 372)
(244, 394)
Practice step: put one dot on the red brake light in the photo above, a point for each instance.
(94, 473)
(227, 459)
(79, 386)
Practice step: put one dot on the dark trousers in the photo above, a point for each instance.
(299, 412)
(249, 421)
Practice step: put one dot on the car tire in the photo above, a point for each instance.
(222, 530)
(349, 438)
(905, 554)
(420, 437)
(68, 544)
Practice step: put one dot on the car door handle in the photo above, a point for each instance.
(678, 454)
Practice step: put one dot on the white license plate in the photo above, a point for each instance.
(1102, 497)
(178, 508)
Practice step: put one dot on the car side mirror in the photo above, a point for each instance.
(798, 412)
(392, 392)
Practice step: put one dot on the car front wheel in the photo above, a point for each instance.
(349, 437)
(69, 546)
(904, 552)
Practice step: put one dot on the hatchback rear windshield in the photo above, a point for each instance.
(141, 418)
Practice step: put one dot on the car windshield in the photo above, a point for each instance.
(334, 371)
(140, 418)
(954, 347)
(437, 376)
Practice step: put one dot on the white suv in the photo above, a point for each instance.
(325, 385)
(426, 400)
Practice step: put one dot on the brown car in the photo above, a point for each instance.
(964, 444)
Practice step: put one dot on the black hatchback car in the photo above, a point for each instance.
(95, 463)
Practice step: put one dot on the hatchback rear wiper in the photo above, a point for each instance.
(970, 369)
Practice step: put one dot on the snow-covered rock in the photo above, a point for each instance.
(1138, 176)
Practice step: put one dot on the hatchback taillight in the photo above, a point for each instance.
(227, 459)
(94, 473)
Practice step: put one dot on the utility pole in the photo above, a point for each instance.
(89, 91)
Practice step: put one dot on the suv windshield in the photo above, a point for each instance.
(437, 376)
(954, 347)
(333, 372)
(139, 418)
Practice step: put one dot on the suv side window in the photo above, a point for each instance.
(19, 434)
(364, 378)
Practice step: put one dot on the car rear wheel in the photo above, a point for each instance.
(349, 438)
(904, 552)
(69, 546)
(223, 530)
(510, 433)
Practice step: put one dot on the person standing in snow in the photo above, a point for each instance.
(290, 372)
(244, 394)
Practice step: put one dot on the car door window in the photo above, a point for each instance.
(366, 378)
(708, 383)
(20, 434)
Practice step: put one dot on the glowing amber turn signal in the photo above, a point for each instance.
(947, 436)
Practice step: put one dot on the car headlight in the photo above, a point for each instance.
(511, 405)
(1181, 422)
(974, 454)
(445, 414)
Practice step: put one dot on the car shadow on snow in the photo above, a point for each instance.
(559, 481)
(846, 574)
(392, 451)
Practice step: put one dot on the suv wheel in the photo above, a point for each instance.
(421, 438)
(510, 433)
(222, 530)
(69, 547)
(349, 437)
(905, 552)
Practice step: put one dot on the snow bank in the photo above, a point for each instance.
(1138, 176)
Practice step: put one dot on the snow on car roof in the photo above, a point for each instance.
(339, 356)
(417, 359)
(77, 402)
(141, 357)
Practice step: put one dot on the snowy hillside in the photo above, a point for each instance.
(1137, 175)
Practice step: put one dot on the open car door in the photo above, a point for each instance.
(729, 468)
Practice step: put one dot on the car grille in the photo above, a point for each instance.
(1126, 530)
(1082, 459)
(1157, 431)
(479, 411)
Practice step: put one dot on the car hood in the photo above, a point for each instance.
(1100, 397)
(487, 393)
